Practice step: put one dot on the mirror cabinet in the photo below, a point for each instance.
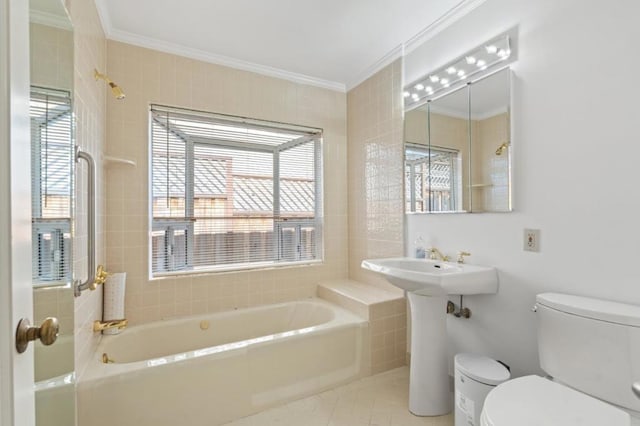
(458, 149)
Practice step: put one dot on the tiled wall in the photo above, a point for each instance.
(149, 76)
(51, 56)
(89, 109)
(376, 211)
(376, 160)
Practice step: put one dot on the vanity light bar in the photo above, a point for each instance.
(472, 64)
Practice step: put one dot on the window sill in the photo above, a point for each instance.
(234, 268)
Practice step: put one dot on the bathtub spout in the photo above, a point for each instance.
(105, 325)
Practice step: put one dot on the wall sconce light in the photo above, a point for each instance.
(474, 64)
(115, 89)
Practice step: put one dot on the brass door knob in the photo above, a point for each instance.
(47, 333)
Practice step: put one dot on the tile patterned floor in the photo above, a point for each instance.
(379, 400)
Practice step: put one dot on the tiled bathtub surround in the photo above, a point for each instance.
(376, 159)
(149, 76)
(90, 114)
(387, 315)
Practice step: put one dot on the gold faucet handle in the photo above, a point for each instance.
(105, 325)
(461, 256)
(101, 277)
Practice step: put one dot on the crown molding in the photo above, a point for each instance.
(453, 15)
(105, 19)
(50, 20)
(457, 12)
(395, 53)
(201, 55)
(448, 19)
(464, 115)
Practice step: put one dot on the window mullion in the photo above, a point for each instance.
(276, 204)
(189, 199)
(318, 201)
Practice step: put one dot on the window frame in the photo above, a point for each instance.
(57, 227)
(428, 200)
(188, 222)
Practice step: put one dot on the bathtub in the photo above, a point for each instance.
(211, 369)
(55, 383)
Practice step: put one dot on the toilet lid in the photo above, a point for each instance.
(534, 401)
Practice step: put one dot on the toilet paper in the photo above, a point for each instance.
(114, 289)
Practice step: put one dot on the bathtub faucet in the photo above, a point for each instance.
(105, 325)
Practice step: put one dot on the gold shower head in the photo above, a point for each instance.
(115, 89)
(502, 148)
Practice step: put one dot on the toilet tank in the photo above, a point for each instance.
(591, 345)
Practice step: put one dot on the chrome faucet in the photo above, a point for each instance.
(435, 254)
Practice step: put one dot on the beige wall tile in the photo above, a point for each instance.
(149, 76)
(90, 111)
(375, 178)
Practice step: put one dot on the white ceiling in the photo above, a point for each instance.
(329, 43)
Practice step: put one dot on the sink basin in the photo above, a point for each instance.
(434, 278)
(428, 282)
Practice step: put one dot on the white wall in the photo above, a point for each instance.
(576, 151)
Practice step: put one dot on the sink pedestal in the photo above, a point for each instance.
(429, 372)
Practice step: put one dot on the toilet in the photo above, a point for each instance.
(590, 349)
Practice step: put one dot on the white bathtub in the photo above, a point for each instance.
(211, 369)
(55, 383)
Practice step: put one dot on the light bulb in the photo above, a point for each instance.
(434, 78)
(406, 94)
(419, 86)
(444, 82)
(503, 53)
(428, 89)
(415, 96)
(461, 73)
(470, 60)
(451, 70)
(481, 63)
(491, 49)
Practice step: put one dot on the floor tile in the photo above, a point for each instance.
(379, 400)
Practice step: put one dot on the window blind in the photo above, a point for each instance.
(232, 192)
(51, 184)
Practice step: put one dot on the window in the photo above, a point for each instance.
(430, 179)
(232, 193)
(51, 170)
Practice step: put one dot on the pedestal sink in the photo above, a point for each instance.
(428, 282)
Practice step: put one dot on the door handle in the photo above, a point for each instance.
(47, 333)
(635, 387)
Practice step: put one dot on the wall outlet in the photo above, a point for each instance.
(531, 240)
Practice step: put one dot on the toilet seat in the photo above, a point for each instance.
(534, 401)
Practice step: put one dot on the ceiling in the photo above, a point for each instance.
(330, 43)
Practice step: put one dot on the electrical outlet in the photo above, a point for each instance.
(531, 240)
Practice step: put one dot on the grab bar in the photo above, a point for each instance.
(92, 280)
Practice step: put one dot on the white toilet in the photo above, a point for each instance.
(591, 350)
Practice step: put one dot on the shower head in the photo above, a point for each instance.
(115, 89)
(502, 148)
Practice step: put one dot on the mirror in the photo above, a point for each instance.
(458, 150)
(491, 143)
(52, 166)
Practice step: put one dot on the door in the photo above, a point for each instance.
(16, 370)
